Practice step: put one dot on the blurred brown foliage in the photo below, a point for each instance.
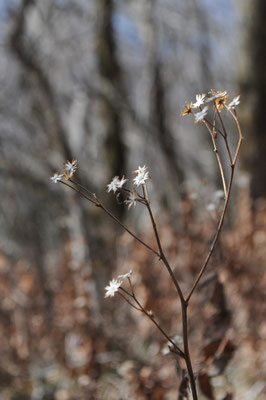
(66, 350)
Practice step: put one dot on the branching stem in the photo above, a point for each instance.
(151, 317)
(96, 202)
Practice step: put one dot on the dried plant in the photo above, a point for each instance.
(139, 194)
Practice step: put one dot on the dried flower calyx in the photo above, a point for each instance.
(69, 170)
(116, 183)
(113, 287)
(217, 97)
(115, 284)
(142, 175)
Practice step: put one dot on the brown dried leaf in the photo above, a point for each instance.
(210, 349)
(206, 386)
(183, 387)
(220, 362)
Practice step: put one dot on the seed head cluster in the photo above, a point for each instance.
(116, 185)
(217, 97)
(68, 171)
(115, 284)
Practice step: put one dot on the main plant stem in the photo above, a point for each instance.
(184, 305)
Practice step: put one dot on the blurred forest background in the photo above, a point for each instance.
(103, 82)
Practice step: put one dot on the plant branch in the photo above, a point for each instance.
(162, 255)
(100, 205)
(179, 351)
(228, 192)
(79, 192)
(240, 139)
(225, 134)
(184, 305)
(186, 351)
(126, 229)
(212, 126)
(129, 302)
(217, 155)
(142, 309)
(203, 268)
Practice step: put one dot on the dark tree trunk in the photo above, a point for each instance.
(110, 72)
(254, 90)
(164, 136)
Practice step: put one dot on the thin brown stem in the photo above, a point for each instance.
(212, 126)
(184, 306)
(82, 187)
(179, 351)
(142, 309)
(162, 256)
(126, 291)
(203, 268)
(237, 150)
(126, 229)
(131, 286)
(186, 351)
(240, 139)
(225, 135)
(100, 205)
(146, 193)
(220, 118)
(217, 156)
(79, 192)
(129, 302)
(228, 150)
(221, 221)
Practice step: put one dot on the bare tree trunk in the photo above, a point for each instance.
(254, 90)
(164, 136)
(158, 122)
(37, 76)
(110, 71)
